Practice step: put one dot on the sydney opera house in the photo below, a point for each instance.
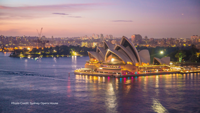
(123, 58)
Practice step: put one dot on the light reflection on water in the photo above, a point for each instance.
(48, 80)
(157, 107)
(110, 99)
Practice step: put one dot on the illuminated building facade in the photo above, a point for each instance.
(84, 44)
(94, 44)
(121, 58)
(136, 38)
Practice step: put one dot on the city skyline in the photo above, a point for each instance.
(158, 19)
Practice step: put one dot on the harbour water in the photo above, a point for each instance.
(48, 85)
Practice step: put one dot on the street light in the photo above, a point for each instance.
(161, 52)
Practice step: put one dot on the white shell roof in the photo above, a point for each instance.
(122, 56)
(110, 46)
(164, 60)
(95, 55)
(145, 56)
(133, 46)
(127, 54)
(130, 56)
(159, 60)
(102, 51)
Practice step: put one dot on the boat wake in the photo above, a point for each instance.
(22, 73)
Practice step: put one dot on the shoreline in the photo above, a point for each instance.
(122, 76)
(43, 56)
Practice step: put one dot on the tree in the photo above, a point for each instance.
(180, 55)
(193, 51)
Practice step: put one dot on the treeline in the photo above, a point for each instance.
(52, 51)
(63, 50)
(181, 54)
(176, 54)
(185, 55)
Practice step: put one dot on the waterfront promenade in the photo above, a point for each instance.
(133, 75)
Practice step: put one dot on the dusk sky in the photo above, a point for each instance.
(70, 18)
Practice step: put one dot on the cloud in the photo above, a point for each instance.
(53, 7)
(39, 11)
(67, 14)
(60, 13)
(75, 16)
(12, 16)
(122, 21)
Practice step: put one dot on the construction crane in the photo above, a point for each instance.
(39, 33)
(40, 40)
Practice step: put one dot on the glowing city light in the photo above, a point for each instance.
(161, 52)
(112, 59)
(74, 53)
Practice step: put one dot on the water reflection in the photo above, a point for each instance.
(117, 83)
(135, 78)
(74, 59)
(25, 63)
(127, 86)
(110, 99)
(191, 76)
(155, 87)
(145, 83)
(157, 107)
(55, 72)
(74, 62)
(6, 53)
(54, 59)
(157, 82)
(69, 87)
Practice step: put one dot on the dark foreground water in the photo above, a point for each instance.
(30, 86)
